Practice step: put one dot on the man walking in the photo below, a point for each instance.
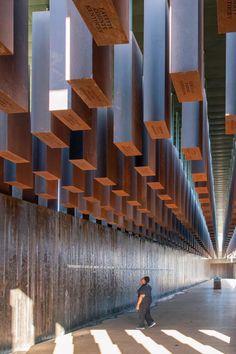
(144, 303)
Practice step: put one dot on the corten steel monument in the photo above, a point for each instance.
(100, 138)
(98, 123)
(117, 123)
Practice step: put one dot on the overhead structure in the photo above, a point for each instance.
(88, 66)
(192, 130)
(44, 125)
(156, 82)
(108, 20)
(186, 49)
(226, 24)
(6, 27)
(229, 235)
(230, 84)
(128, 61)
(14, 79)
(46, 161)
(226, 15)
(221, 144)
(107, 154)
(103, 133)
(15, 137)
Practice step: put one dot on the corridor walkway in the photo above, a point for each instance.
(200, 320)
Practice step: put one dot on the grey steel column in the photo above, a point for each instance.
(230, 85)
(128, 122)
(191, 134)
(186, 47)
(156, 90)
(43, 125)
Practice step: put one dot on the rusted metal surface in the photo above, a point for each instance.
(15, 137)
(46, 189)
(226, 16)
(46, 161)
(73, 179)
(6, 27)
(83, 151)
(108, 20)
(4, 187)
(14, 68)
(107, 154)
(96, 89)
(18, 175)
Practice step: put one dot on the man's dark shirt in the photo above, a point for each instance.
(147, 291)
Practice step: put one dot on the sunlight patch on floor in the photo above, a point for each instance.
(64, 344)
(231, 282)
(148, 343)
(216, 334)
(104, 342)
(193, 343)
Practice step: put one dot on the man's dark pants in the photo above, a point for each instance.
(144, 314)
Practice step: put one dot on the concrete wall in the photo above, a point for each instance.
(234, 271)
(59, 271)
(223, 270)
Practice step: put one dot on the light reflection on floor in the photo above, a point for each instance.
(64, 343)
(193, 343)
(104, 342)
(216, 334)
(230, 282)
(148, 343)
(196, 322)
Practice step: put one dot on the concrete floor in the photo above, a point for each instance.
(200, 320)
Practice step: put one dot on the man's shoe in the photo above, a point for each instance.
(140, 327)
(152, 325)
